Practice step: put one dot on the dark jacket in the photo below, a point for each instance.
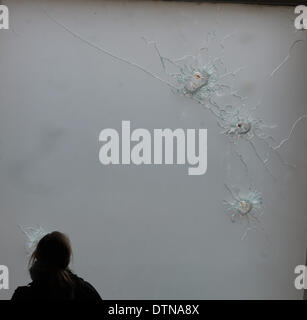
(82, 290)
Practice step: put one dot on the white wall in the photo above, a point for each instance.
(150, 232)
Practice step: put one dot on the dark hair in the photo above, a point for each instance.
(49, 265)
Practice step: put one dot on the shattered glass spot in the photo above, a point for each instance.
(240, 124)
(33, 235)
(247, 206)
(196, 81)
(199, 82)
(200, 77)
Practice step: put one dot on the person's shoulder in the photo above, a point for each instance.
(84, 290)
(22, 293)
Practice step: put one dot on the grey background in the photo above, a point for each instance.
(148, 232)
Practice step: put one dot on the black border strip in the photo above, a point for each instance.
(260, 2)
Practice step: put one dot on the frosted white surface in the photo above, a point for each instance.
(148, 232)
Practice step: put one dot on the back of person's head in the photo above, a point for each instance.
(53, 250)
(49, 266)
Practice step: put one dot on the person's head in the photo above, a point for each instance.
(53, 251)
(49, 264)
